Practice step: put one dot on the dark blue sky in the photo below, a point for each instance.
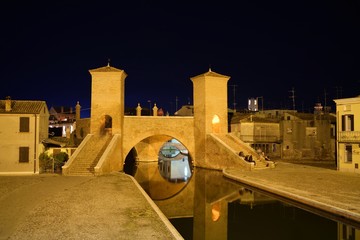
(267, 47)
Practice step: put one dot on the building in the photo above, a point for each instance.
(23, 126)
(308, 136)
(253, 104)
(259, 132)
(61, 121)
(287, 134)
(348, 134)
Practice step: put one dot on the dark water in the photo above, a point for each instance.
(202, 204)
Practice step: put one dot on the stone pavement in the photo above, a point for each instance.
(51, 206)
(326, 189)
(114, 206)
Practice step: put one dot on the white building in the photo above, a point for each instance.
(23, 125)
(348, 134)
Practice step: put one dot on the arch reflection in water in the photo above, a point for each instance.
(168, 175)
(173, 161)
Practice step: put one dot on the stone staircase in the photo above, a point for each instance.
(237, 146)
(89, 155)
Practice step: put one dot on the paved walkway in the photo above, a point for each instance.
(326, 189)
(115, 206)
(69, 207)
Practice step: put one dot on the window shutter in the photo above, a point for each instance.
(343, 119)
(24, 124)
(24, 154)
(352, 122)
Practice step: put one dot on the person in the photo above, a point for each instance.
(259, 151)
(249, 158)
(241, 154)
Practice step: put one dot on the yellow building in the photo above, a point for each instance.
(348, 134)
(23, 125)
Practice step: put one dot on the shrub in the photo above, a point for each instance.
(45, 162)
(60, 159)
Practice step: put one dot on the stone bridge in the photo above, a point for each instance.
(113, 136)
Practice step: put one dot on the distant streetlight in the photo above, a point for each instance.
(149, 101)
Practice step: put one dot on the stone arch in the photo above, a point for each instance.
(215, 124)
(188, 143)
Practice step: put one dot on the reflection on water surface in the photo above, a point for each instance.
(205, 205)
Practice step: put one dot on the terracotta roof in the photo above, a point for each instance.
(23, 106)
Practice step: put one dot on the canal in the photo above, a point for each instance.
(202, 204)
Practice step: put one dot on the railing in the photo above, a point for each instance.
(349, 136)
(260, 138)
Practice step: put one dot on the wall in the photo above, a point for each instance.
(11, 139)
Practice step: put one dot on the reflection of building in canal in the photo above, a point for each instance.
(172, 148)
(174, 162)
(176, 169)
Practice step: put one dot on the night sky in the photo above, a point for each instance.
(267, 48)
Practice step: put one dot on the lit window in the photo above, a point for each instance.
(215, 211)
(215, 119)
(347, 122)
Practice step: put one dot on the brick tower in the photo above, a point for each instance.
(210, 108)
(107, 100)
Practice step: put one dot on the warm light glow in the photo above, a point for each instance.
(215, 211)
(215, 119)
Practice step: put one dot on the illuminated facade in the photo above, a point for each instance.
(23, 126)
(113, 137)
(253, 104)
(288, 134)
(348, 134)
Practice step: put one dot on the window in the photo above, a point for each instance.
(347, 122)
(108, 121)
(216, 124)
(24, 124)
(348, 153)
(24, 154)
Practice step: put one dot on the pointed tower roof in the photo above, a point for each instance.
(211, 73)
(107, 68)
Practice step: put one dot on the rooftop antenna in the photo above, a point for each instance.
(338, 90)
(176, 103)
(234, 103)
(293, 97)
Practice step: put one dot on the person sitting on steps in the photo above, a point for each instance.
(249, 158)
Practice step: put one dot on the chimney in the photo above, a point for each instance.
(77, 111)
(8, 104)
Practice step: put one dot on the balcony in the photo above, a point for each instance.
(349, 136)
(260, 138)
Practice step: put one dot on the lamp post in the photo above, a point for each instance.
(149, 101)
